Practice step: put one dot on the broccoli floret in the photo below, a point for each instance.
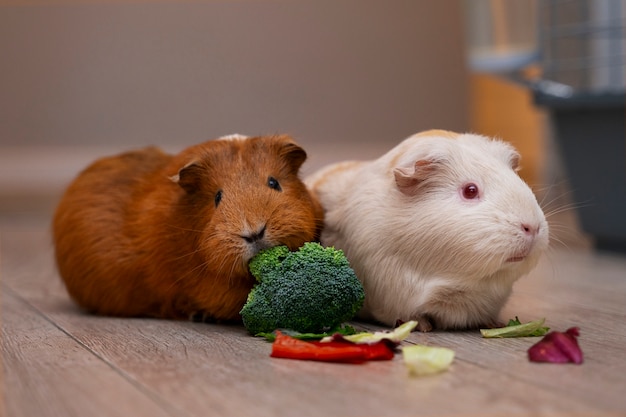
(263, 265)
(313, 289)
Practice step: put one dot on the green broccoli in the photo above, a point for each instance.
(311, 290)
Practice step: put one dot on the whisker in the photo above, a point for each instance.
(555, 200)
(565, 208)
(559, 241)
(178, 258)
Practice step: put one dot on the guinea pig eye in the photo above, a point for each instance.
(218, 197)
(273, 184)
(470, 191)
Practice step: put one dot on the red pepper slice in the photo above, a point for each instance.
(291, 348)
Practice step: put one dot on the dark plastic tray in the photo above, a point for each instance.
(590, 131)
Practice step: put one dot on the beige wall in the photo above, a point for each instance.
(121, 72)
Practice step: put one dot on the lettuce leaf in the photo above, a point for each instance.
(426, 360)
(515, 328)
(344, 329)
(394, 336)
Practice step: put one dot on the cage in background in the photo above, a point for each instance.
(582, 45)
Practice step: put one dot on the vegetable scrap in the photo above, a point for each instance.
(344, 329)
(311, 290)
(355, 348)
(395, 336)
(515, 328)
(426, 360)
(557, 347)
(347, 352)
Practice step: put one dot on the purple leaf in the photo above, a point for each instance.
(557, 347)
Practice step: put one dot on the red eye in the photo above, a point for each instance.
(470, 191)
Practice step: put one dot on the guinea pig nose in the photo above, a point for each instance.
(255, 236)
(529, 229)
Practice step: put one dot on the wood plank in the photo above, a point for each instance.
(48, 373)
(585, 275)
(199, 369)
(571, 289)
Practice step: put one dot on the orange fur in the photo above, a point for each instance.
(140, 234)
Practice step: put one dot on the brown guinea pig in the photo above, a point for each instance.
(149, 234)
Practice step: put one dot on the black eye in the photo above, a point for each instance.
(274, 184)
(218, 198)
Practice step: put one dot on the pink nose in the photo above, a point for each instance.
(530, 229)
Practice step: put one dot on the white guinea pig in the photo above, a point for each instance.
(438, 229)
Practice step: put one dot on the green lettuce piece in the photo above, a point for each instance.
(396, 335)
(344, 329)
(517, 329)
(426, 360)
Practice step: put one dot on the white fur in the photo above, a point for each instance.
(234, 136)
(433, 255)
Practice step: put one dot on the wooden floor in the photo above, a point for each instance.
(57, 361)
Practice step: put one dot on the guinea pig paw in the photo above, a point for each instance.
(493, 324)
(424, 326)
(201, 317)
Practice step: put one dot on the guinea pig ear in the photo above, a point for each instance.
(408, 179)
(189, 177)
(291, 153)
